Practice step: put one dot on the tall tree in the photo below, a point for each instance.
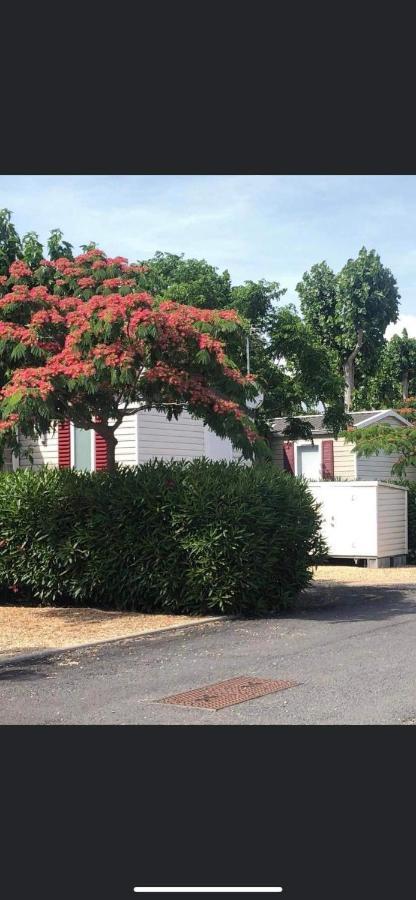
(349, 312)
(93, 349)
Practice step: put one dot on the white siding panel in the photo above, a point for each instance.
(378, 468)
(177, 439)
(44, 451)
(126, 449)
(392, 521)
(344, 460)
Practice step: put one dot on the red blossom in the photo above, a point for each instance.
(19, 269)
(85, 347)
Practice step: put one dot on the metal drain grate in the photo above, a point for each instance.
(228, 693)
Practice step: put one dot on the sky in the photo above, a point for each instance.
(256, 226)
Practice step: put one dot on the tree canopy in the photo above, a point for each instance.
(294, 368)
(348, 313)
(80, 341)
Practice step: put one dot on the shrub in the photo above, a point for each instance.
(196, 537)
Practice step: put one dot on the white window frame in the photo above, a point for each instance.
(72, 446)
(316, 443)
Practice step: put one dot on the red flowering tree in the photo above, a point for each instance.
(80, 342)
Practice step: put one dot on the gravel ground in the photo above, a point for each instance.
(27, 629)
(359, 575)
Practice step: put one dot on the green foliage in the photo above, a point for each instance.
(192, 281)
(198, 537)
(292, 368)
(395, 377)
(349, 312)
(306, 368)
(57, 247)
(10, 244)
(32, 249)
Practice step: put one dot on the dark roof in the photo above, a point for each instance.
(316, 421)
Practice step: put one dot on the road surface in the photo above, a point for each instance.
(352, 653)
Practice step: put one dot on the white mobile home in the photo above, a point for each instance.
(141, 437)
(332, 458)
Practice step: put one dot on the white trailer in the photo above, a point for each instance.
(364, 520)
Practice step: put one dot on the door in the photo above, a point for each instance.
(82, 458)
(309, 461)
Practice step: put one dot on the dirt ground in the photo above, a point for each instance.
(360, 575)
(26, 629)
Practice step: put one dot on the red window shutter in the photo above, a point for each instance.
(101, 455)
(328, 460)
(289, 457)
(64, 445)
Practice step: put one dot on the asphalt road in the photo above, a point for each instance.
(353, 653)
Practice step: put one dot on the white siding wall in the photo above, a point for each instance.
(392, 521)
(177, 439)
(344, 460)
(126, 434)
(44, 452)
(378, 468)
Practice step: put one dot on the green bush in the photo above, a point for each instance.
(197, 537)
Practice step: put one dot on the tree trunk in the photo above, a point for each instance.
(349, 383)
(111, 451)
(349, 370)
(405, 385)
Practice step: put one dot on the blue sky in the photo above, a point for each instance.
(256, 226)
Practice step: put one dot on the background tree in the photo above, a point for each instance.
(349, 312)
(93, 349)
(395, 378)
(292, 367)
(32, 249)
(58, 248)
(10, 243)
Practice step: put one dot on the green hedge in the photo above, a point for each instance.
(198, 537)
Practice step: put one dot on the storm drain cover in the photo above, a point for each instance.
(228, 693)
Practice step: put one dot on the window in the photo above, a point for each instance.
(82, 449)
(309, 461)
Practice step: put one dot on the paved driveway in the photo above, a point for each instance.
(352, 652)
